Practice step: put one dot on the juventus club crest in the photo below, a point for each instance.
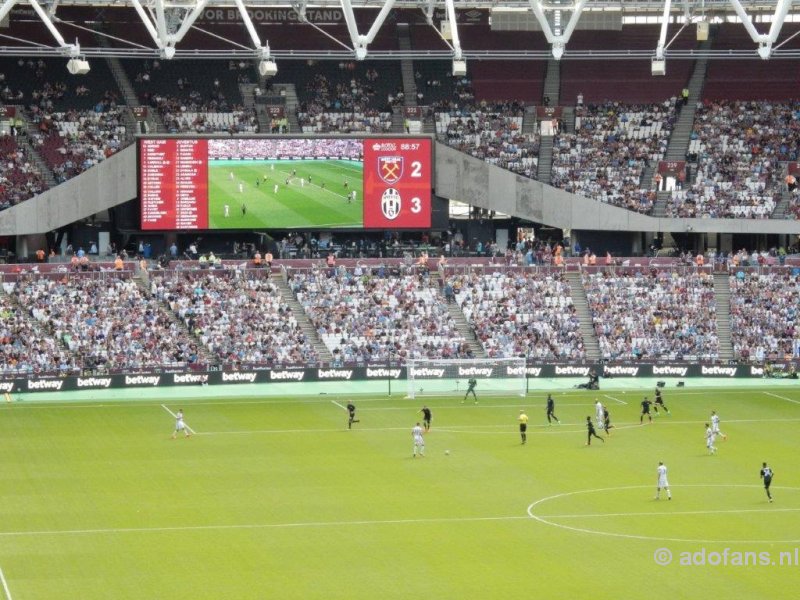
(391, 204)
(390, 168)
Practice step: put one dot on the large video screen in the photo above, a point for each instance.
(285, 183)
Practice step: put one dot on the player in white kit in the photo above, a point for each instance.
(227, 210)
(710, 437)
(598, 409)
(662, 484)
(419, 441)
(275, 189)
(241, 188)
(180, 425)
(715, 425)
(302, 182)
(230, 175)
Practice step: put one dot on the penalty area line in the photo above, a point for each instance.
(174, 416)
(5, 585)
(782, 397)
(614, 399)
(339, 405)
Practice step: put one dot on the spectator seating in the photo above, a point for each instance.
(491, 132)
(239, 316)
(519, 313)
(71, 142)
(19, 179)
(653, 315)
(737, 146)
(765, 315)
(364, 316)
(606, 157)
(105, 321)
(26, 347)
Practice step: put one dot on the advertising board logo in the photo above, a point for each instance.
(391, 204)
(390, 168)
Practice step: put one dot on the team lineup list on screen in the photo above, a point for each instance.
(174, 183)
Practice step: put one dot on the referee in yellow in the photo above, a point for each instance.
(523, 426)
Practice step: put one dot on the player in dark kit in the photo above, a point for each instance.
(471, 390)
(645, 411)
(659, 402)
(766, 475)
(426, 417)
(351, 409)
(591, 432)
(551, 407)
(607, 420)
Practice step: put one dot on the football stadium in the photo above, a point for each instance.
(486, 300)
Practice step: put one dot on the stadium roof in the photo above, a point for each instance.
(167, 23)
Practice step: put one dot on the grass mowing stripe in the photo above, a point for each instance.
(5, 585)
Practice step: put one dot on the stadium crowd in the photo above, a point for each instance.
(19, 178)
(764, 315)
(364, 316)
(239, 316)
(285, 148)
(26, 348)
(105, 321)
(737, 146)
(660, 314)
(613, 143)
(519, 314)
(491, 132)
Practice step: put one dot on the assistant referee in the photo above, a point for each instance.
(523, 426)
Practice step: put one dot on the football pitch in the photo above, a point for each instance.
(276, 498)
(315, 195)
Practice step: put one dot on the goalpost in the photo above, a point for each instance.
(494, 376)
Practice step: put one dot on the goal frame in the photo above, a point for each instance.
(508, 376)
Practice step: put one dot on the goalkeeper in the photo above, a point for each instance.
(471, 390)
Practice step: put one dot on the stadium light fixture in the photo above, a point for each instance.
(459, 67)
(268, 68)
(78, 66)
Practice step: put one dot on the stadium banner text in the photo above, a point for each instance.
(372, 373)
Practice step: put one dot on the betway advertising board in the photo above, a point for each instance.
(371, 373)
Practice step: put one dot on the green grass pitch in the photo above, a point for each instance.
(275, 498)
(296, 205)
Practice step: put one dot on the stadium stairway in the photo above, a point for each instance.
(302, 319)
(153, 120)
(407, 65)
(568, 117)
(782, 208)
(545, 159)
(142, 279)
(529, 121)
(660, 207)
(397, 120)
(722, 292)
(552, 82)
(582, 309)
(465, 330)
(24, 142)
(247, 90)
(460, 320)
(291, 106)
(679, 140)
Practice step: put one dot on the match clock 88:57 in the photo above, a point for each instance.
(397, 183)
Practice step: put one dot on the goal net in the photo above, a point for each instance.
(493, 376)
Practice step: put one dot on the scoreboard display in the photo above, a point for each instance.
(397, 183)
(285, 183)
